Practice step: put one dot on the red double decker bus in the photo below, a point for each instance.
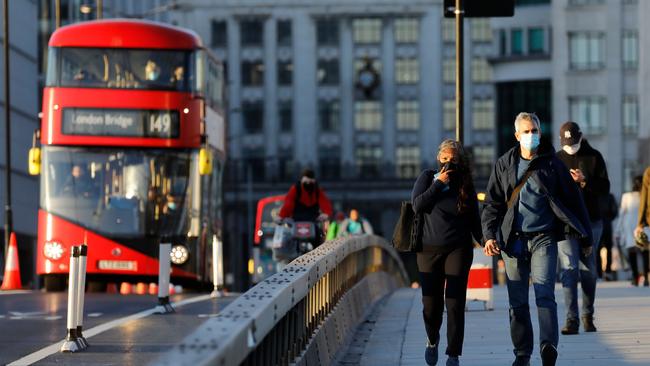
(133, 112)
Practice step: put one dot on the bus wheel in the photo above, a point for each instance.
(54, 283)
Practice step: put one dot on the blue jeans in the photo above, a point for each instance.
(574, 268)
(539, 262)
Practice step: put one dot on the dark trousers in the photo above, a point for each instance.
(435, 270)
(632, 255)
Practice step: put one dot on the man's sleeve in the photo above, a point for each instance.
(288, 205)
(644, 203)
(325, 203)
(495, 205)
(572, 198)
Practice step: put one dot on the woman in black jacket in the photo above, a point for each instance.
(447, 199)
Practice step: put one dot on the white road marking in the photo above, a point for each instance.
(14, 292)
(95, 315)
(54, 348)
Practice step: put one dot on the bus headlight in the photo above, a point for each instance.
(53, 250)
(179, 254)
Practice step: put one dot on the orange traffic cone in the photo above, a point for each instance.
(125, 288)
(11, 279)
(153, 289)
(141, 288)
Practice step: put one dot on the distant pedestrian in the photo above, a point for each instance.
(589, 172)
(644, 204)
(335, 228)
(355, 224)
(530, 200)
(447, 199)
(628, 218)
(609, 212)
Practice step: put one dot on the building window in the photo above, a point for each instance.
(481, 70)
(366, 30)
(252, 73)
(630, 49)
(516, 42)
(630, 115)
(503, 42)
(252, 32)
(483, 114)
(285, 116)
(535, 41)
(585, 2)
(328, 72)
(408, 115)
(327, 32)
(449, 30)
(219, 33)
(329, 115)
(483, 157)
(407, 161)
(284, 33)
(589, 113)
(253, 115)
(368, 161)
(254, 159)
(407, 30)
(587, 50)
(481, 30)
(407, 71)
(285, 73)
(367, 116)
(449, 71)
(329, 161)
(449, 115)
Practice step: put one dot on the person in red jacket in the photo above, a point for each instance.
(306, 201)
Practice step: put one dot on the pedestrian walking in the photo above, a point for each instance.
(587, 168)
(531, 201)
(609, 212)
(447, 199)
(643, 220)
(628, 217)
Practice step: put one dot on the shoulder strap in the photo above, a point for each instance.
(515, 192)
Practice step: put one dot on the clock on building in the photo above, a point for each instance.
(368, 79)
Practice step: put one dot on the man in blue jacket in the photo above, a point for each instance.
(532, 203)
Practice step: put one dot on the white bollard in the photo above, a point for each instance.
(71, 341)
(83, 259)
(164, 273)
(217, 266)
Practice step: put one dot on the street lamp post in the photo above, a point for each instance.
(460, 57)
(8, 219)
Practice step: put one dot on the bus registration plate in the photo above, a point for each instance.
(118, 265)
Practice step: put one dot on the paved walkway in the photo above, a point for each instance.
(394, 333)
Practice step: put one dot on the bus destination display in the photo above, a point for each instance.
(120, 122)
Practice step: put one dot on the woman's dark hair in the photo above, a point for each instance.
(467, 191)
(637, 182)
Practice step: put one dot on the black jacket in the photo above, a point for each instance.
(592, 164)
(444, 227)
(555, 181)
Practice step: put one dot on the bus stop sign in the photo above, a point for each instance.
(481, 8)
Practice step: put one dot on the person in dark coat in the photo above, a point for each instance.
(447, 199)
(527, 225)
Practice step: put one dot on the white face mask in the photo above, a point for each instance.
(571, 149)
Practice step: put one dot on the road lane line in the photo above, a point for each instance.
(14, 292)
(54, 348)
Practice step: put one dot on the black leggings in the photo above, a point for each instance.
(632, 253)
(434, 270)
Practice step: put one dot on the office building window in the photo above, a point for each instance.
(252, 32)
(329, 162)
(328, 72)
(252, 73)
(368, 160)
(503, 42)
(481, 70)
(407, 30)
(449, 115)
(483, 157)
(254, 159)
(407, 71)
(630, 115)
(284, 33)
(219, 33)
(285, 116)
(589, 112)
(587, 50)
(516, 42)
(366, 30)
(408, 115)
(253, 115)
(449, 71)
(448, 30)
(329, 115)
(630, 49)
(483, 114)
(535, 41)
(481, 30)
(585, 2)
(327, 32)
(407, 161)
(285, 73)
(367, 116)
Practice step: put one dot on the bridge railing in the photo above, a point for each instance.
(303, 313)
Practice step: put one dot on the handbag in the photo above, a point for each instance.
(407, 236)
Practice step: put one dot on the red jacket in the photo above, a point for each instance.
(307, 199)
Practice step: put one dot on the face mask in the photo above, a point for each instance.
(529, 141)
(171, 205)
(571, 149)
(309, 187)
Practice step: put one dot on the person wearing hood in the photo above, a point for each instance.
(306, 201)
(531, 202)
(589, 173)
